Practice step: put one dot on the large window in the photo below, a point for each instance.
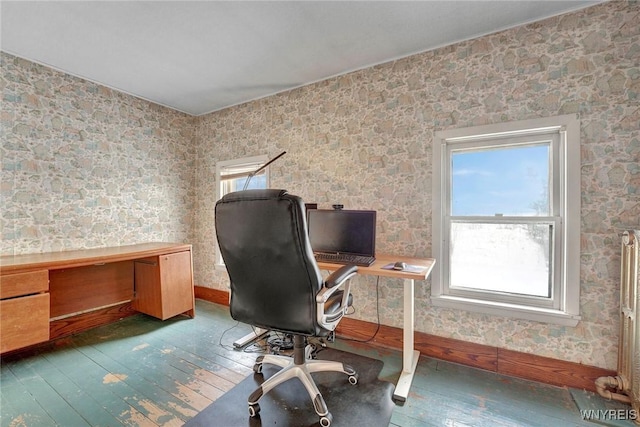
(506, 213)
(232, 175)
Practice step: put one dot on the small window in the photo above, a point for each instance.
(506, 209)
(232, 175)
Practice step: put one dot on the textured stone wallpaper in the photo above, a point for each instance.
(86, 166)
(364, 140)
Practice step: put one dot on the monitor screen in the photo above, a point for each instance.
(345, 231)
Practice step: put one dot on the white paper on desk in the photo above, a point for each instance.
(408, 269)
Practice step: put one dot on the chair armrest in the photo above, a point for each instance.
(335, 281)
(339, 280)
(340, 275)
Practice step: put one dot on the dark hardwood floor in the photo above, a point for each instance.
(145, 372)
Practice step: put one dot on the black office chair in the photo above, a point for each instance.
(276, 284)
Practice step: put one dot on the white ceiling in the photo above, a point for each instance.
(202, 56)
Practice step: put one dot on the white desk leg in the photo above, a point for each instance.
(250, 337)
(409, 355)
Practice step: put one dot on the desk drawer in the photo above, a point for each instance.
(33, 282)
(164, 285)
(24, 321)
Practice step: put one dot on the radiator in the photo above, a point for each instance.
(626, 385)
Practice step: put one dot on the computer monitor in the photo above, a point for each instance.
(342, 231)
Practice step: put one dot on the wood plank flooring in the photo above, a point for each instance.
(144, 372)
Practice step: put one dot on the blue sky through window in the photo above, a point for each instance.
(513, 180)
(257, 182)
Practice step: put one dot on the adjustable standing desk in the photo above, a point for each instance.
(409, 354)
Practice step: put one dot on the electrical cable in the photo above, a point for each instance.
(278, 342)
(223, 333)
(377, 316)
(253, 348)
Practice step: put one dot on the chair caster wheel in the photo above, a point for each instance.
(325, 421)
(257, 368)
(254, 410)
(353, 379)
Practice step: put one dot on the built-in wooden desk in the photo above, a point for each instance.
(410, 356)
(39, 289)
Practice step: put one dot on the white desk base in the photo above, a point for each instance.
(409, 355)
(406, 377)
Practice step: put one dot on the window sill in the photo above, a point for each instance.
(535, 314)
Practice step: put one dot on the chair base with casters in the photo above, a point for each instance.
(276, 284)
(299, 366)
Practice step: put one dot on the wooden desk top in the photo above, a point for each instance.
(376, 269)
(82, 257)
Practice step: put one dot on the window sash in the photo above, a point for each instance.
(228, 181)
(554, 301)
(460, 145)
(224, 176)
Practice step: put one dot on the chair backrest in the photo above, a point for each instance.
(262, 235)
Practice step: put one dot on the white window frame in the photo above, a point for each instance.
(564, 307)
(236, 167)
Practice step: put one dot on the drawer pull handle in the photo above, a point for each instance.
(140, 261)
